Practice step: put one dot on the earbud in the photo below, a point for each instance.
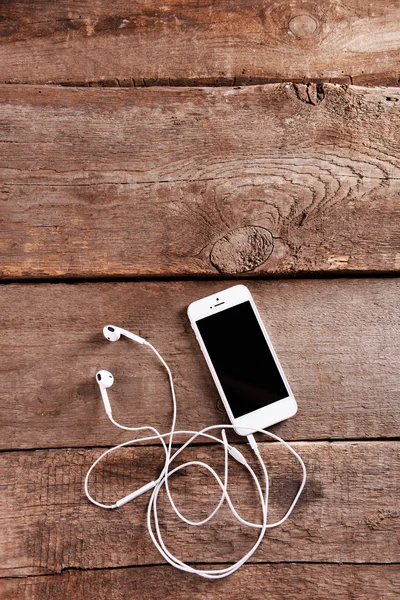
(113, 334)
(105, 380)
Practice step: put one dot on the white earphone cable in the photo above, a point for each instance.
(153, 523)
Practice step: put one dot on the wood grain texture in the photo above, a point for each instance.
(350, 511)
(262, 180)
(280, 582)
(338, 342)
(126, 43)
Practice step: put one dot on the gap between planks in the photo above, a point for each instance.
(236, 82)
(299, 275)
(236, 442)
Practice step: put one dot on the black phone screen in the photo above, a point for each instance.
(242, 359)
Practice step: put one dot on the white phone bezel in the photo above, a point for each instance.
(263, 417)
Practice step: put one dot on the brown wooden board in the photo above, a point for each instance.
(277, 179)
(280, 582)
(338, 342)
(125, 43)
(350, 511)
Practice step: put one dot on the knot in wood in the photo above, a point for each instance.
(303, 26)
(242, 250)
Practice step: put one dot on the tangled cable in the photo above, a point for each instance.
(105, 380)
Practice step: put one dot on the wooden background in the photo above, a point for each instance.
(155, 153)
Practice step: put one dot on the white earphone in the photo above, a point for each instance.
(105, 380)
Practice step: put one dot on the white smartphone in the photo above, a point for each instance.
(242, 361)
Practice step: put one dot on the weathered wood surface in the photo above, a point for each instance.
(280, 582)
(145, 43)
(266, 180)
(338, 341)
(350, 511)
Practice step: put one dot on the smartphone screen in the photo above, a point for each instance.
(242, 359)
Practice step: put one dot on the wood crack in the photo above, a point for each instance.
(149, 566)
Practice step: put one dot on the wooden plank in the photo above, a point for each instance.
(325, 582)
(125, 43)
(269, 179)
(350, 511)
(338, 341)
